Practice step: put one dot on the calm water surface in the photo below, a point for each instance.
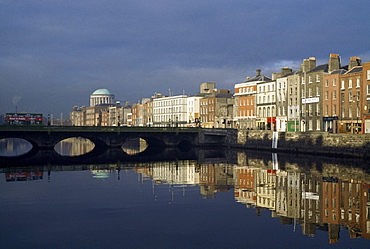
(240, 200)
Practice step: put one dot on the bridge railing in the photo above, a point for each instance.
(5, 128)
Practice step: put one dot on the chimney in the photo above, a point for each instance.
(354, 62)
(312, 63)
(285, 71)
(308, 64)
(258, 72)
(334, 62)
(275, 76)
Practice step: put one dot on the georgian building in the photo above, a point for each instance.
(246, 102)
(365, 108)
(170, 111)
(350, 90)
(311, 94)
(293, 101)
(282, 97)
(265, 102)
(245, 108)
(331, 100)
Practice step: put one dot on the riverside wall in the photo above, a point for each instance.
(317, 143)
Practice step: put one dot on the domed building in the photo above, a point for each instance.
(101, 97)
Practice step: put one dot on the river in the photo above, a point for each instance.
(202, 198)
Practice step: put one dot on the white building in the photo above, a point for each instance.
(193, 110)
(170, 111)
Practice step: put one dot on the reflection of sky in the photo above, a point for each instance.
(74, 210)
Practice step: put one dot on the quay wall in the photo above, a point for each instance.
(323, 143)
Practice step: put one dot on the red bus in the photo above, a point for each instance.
(24, 118)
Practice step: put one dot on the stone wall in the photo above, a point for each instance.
(357, 145)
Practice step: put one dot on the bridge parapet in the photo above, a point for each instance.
(46, 137)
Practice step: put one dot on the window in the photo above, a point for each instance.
(357, 82)
(350, 111)
(342, 84)
(310, 92)
(317, 78)
(334, 94)
(334, 82)
(310, 112)
(368, 74)
(334, 110)
(350, 96)
(350, 83)
(326, 83)
(326, 110)
(310, 79)
(317, 91)
(304, 80)
(357, 111)
(368, 88)
(342, 97)
(326, 95)
(318, 111)
(343, 112)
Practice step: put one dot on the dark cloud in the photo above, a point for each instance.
(54, 54)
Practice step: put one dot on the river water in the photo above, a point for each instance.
(214, 198)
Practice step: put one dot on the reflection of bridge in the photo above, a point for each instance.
(46, 137)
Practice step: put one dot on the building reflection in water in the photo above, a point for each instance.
(328, 197)
(74, 146)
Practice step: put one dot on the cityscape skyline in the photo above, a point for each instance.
(55, 55)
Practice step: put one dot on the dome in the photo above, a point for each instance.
(102, 91)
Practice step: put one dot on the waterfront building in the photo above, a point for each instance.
(331, 100)
(311, 90)
(170, 111)
(245, 104)
(78, 116)
(97, 115)
(282, 104)
(193, 110)
(350, 91)
(293, 101)
(265, 103)
(207, 111)
(365, 107)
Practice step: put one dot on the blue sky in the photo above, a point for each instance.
(54, 54)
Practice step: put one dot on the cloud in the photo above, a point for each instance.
(56, 53)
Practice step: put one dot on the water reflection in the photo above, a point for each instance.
(74, 146)
(312, 197)
(134, 146)
(10, 147)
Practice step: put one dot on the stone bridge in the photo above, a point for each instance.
(46, 137)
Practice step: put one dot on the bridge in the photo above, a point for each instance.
(104, 137)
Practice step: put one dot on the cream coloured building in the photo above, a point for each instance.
(102, 97)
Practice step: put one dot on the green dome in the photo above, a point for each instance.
(102, 91)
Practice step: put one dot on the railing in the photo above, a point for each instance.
(5, 128)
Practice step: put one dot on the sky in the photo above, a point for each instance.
(55, 53)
